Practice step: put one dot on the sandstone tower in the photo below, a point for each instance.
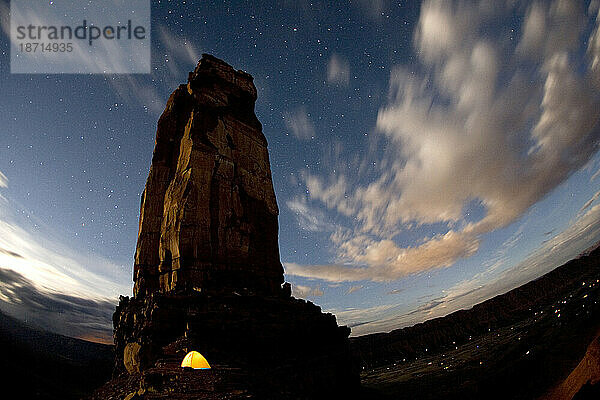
(208, 217)
(207, 272)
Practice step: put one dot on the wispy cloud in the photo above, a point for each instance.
(395, 291)
(590, 202)
(52, 285)
(374, 9)
(353, 289)
(112, 56)
(298, 122)
(175, 55)
(306, 291)
(385, 261)
(309, 218)
(55, 311)
(338, 70)
(497, 122)
(54, 266)
(582, 233)
(3, 180)
(178, 51)
(355, 318)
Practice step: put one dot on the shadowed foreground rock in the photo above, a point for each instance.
(207, 271)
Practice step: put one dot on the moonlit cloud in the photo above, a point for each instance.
(304, 292)
(581, 233)
(53, 266)
(374, 9)
(108, 55)
(355, 318)
(490, 122)
(178, 51)
(3, 180)
(309, 218)
(55, 311)
(551, 29)
(177, 54)
(338, 70)
(353, 289)
(53, 286)
(299, 124)
(594, 44)
(590, 202)
(563, 247)
(384, 261)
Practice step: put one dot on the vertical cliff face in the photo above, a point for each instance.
(208, 217)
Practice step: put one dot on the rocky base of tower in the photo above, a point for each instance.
(259, 347)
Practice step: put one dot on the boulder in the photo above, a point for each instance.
(131, 357)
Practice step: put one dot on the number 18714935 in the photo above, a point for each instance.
(34, 47)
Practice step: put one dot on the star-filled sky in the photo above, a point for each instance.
(426, 155)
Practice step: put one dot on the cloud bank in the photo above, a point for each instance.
(495, 119)
(54, 311)
(52, 286)
(582, 232)
(309, 218)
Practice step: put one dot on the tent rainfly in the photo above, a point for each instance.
(195, 360)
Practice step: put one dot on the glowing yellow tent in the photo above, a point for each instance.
(195, 360)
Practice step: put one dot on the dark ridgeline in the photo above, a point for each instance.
(444, 333)
(207, 271)
(532, 342)
(37, 364)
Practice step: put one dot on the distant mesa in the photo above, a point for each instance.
(207, 271)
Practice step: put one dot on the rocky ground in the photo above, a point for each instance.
(278, 345)
(169, 381)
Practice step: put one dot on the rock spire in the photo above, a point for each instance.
(207, 271)
(208, 217)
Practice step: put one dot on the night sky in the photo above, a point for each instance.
(425, 156)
